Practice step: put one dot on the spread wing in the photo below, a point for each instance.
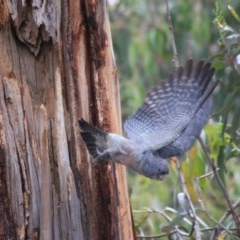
(170, 106)
(189, 135)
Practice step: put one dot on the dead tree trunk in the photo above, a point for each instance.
(56, 66)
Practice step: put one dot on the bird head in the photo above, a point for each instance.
(152, 166)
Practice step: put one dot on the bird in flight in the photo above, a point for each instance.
(166, 125)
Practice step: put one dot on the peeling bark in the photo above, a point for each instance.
(56, 66)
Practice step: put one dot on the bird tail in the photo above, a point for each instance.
(95, 140)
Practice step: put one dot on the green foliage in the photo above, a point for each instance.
(202, 29)
(228, 54)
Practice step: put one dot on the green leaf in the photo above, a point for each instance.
(233, 12)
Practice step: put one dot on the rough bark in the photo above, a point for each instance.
(56, 66)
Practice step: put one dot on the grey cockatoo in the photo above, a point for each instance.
(166, 125)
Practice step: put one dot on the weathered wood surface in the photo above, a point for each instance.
(57, 65)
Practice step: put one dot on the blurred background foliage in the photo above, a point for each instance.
(206, 29)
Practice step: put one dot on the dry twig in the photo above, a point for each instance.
(192, 212)
(174, 48)
(221, 185)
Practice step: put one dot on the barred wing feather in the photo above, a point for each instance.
(170, 106)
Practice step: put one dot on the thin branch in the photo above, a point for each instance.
(148, 211)
(221, 185)
(213, 229)
(203, 208)
(192, 212)
(213, 220)
(174, 48)
(167, 234)
(226, 214)
(205, 175)
(163, 213)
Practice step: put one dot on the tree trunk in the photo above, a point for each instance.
(56, 66)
